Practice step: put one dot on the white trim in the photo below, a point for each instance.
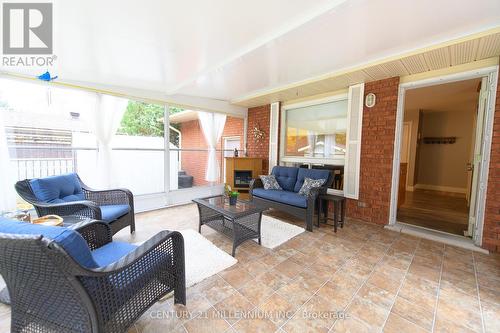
(324, 100)
(485, 166)
(245, 133)
(492, 73)
(431, 187)
(340, 160)
(313, 160)
(185, 195)
(166, 154)
(154, 97)
(274, 114)
(354, 138)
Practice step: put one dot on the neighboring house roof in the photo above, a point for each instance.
(183, 116)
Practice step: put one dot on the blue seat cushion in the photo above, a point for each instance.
(70, 240)
(112, 252)
(113, 212)
(286, 197)
(57, 189)
(286, 177)
(310, 173)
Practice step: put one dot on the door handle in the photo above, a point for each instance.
(470, 167)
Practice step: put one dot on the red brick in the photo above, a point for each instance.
(260, 117)
(194, 163)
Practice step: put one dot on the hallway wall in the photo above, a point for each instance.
(444, 166)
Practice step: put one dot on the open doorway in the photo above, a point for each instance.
(440, 130)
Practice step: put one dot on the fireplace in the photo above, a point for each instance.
(242, 178)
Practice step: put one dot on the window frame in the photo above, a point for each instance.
(305, 159)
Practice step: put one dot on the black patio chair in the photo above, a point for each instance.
(65, 195)
(65, 280)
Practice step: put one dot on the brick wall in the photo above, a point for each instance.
(377, 149)
(259, 116)
(195, 163)
(491, 230)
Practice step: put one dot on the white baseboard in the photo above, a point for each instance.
(441, 188)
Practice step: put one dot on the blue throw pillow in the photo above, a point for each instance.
(57, 189)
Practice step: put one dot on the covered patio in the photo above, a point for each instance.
(363, 278)
(259, 166)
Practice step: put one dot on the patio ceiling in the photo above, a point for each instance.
(241, 51)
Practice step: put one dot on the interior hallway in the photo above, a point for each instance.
(435, 210)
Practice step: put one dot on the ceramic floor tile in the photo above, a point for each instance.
(289, 268)
(464, 313)
(420, 315)
(237, 276)
(234, 308)
(256, 292)
(378, 296)
(321, 272)
(254, 325)
(491, 314)
(397, 324)
(368, 312)
(351, 324)
(443, 325)
(273, 279)
(210, 322)
(278, 309)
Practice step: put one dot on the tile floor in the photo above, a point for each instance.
(362, 279)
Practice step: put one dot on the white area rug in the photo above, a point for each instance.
(203, 258)
(275, 232)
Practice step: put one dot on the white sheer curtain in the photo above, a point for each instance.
(7, 179)
(107, 116)
(212, 125)
(311, 142)
(329, 145)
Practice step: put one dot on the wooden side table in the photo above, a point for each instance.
(338, 209)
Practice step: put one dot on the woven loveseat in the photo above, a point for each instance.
(288, 199)
(65, 280)
(67, 195)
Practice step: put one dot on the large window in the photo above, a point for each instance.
(112, 141)
(190, 150)
(316, 131)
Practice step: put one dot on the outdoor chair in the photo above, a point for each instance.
(80, 280)
(66, 194)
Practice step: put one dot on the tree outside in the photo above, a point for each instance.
(144, 119)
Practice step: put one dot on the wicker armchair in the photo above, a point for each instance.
(91, 204)
(51, 291)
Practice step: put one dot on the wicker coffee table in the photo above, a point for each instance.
(240, 222)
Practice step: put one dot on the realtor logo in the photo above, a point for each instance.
(27, 28)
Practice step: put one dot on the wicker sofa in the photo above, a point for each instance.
(65, 280)
(67, 195)
(291, 180)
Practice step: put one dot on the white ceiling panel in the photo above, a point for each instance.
(229, 49)
(356, 32)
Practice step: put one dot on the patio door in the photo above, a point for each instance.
(476, 164)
